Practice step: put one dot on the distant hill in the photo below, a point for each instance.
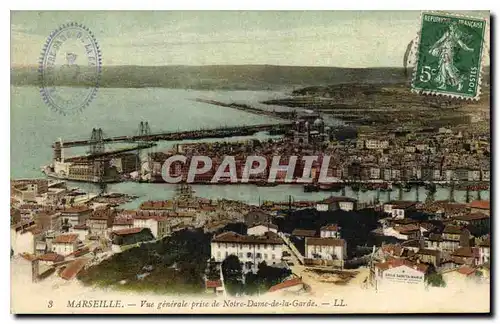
(229, 77)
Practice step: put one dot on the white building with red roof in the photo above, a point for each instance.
(250, 249)
(397, 272)
(65, 244)
(157, 224)
(82, 230)
(262, 228)
(325, 248)
(330, 230)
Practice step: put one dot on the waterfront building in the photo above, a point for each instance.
(485, 175)
(161, 205)
(27, 190)
(251, 250)
(337, 203)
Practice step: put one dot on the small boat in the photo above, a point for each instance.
(264, 183)
(311, 188)
(330, 186)
(430, 187)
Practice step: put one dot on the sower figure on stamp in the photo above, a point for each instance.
(448, 74)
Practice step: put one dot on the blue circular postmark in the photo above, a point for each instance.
(70, 68)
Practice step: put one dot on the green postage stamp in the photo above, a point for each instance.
(449, 55)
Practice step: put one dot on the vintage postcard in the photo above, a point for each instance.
(250, 162)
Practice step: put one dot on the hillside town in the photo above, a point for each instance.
(291, 247)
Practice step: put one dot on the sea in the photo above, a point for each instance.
(118, 111)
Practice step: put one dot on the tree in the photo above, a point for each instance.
(213, 270)
(231, 267)
(435, 280)
(233, 275)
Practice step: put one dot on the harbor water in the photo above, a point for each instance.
(34, 127)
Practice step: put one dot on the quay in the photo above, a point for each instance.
(246, 108)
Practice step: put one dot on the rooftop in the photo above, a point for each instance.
(213, 284)
(65, 238)
(435, 253)
(465, 252)
(325, 241)
(128, 231)
(330, 227)
(232, 237)
(331, 200)
(401, 203)
(466, 270)
(286, 284)
(452, 229)
(395, 263)
(51, 257)
(480, 204)
(472, 217)
(76, 209)
(80, 227)
(162, 204)
(270, 225)
(304, 232)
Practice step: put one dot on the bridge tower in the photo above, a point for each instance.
(99, 163)
(143, 132)
(96, 141)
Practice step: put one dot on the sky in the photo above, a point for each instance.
(305, 38)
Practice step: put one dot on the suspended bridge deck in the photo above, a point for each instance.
(109, 153)
(186, 135)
